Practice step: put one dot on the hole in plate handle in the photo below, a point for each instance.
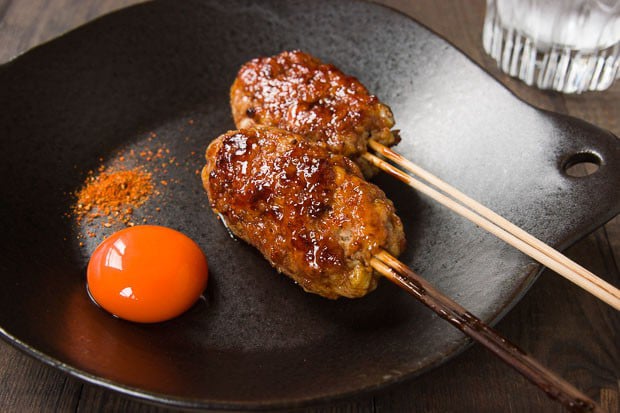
(582, 164)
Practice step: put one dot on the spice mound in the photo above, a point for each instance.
(113, 194)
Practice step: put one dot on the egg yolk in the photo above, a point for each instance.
(147, 273)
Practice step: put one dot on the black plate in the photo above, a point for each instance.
(258, 340)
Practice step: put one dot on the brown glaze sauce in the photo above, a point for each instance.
(297, 92)
(278, 195)
(309, 211)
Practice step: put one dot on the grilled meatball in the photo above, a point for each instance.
(309, 211)
(297, 92)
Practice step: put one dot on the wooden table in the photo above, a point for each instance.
(566, 329)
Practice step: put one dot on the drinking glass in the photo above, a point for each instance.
(566, 45)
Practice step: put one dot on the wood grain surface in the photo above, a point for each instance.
(563, 327)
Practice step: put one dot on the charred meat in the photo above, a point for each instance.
(297, 92)
(307, 210)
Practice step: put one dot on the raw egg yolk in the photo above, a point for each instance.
(147, 273)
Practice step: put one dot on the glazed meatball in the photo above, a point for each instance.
(297, 92)
(307, 210)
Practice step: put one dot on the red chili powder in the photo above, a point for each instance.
(113, 194)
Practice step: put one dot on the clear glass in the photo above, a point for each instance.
(566, 45)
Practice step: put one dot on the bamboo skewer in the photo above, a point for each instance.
(495, 218)
(557, 262)
(555, 387)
